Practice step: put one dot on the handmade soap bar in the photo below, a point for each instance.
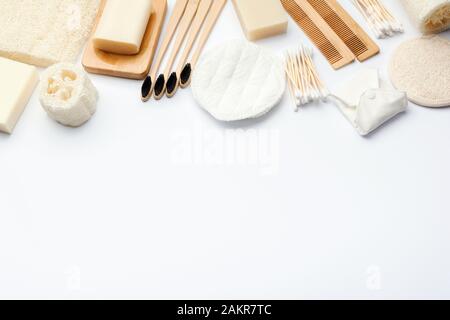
(17, 83)
(122, 26)
(261, 18)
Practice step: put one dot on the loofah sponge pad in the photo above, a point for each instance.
(421, 68)
(44, 32)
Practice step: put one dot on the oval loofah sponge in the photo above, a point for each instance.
(421, 68)
(67, 95)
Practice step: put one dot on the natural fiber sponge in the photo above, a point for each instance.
(431, 16)
(238, 80)
(421, 68)
(45, 32)
(67, 94)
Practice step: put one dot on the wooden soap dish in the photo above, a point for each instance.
(123, 66)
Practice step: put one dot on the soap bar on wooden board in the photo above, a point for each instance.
(122, 26)
(261, 18)
(17, 83)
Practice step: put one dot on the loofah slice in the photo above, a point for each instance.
(67, 95)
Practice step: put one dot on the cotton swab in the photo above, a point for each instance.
(382, 23)
(304, 83)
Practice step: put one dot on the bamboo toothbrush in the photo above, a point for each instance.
(174, 80)
(147, 86)
(185, 23)
(214, 13)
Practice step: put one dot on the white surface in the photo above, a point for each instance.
(114, 210)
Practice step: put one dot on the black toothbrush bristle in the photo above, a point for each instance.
(146, 87)
(159, 85)
(171, 83)
(186, 74)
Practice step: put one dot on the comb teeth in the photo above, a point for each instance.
(337, 56)
(322, 43)
(346, 28)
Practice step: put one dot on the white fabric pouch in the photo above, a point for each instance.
(366, 103)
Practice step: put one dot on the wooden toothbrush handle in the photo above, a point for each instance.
(210, 22)
(200, 17)
(185, 23)
(177, 13)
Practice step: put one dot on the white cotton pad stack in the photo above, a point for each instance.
(44, 32)
(431, 16)
(421, 68)
(238, 80)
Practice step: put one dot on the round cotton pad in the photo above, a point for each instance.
(421, 68)
(238, 80)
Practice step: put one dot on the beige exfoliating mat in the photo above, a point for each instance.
(421, 68)
(44, 32)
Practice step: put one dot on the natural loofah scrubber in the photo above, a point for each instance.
(432, 16)
(68, 95)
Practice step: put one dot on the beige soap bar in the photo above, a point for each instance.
(17, 83)
(261, 18)
(122, 26)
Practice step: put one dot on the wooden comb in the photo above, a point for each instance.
(356, 39)
(321, 34)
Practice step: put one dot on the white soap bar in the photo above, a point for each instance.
(261, 18)
(17, 83)
(122, 26)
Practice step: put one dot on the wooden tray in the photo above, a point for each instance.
(123, 66)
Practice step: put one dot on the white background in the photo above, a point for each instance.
(148, 201)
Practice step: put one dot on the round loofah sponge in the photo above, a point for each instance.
(67, 94)
(421, 68)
